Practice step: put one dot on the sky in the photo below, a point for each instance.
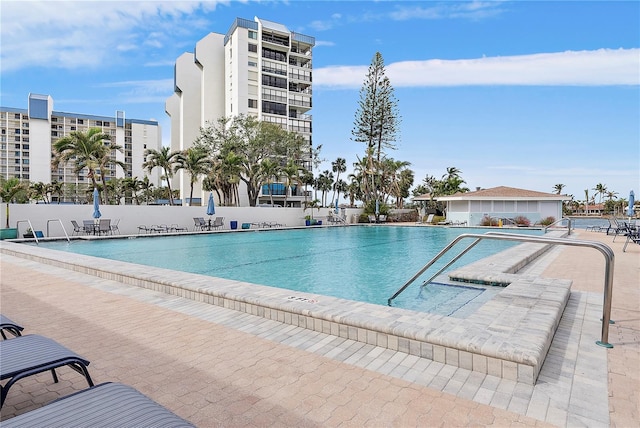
(526, 94)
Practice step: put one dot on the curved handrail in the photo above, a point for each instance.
(30, 227)
(63, 229)
(560, 221)
(606, 251)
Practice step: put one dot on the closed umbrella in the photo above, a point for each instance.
(377, 208)
(336, 210)
(632, 200)
(211, 208)
(96, 203)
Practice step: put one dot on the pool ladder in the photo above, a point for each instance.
(35, 236)
(606, 251)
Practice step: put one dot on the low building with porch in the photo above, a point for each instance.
(501, 203)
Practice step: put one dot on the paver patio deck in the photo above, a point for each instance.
(218, 367)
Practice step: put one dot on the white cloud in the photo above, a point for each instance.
(77, 34)
(601, 67)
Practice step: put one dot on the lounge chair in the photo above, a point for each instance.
(372, 218)
(10, 326)
(109, 404)
(31, 354)
(175, 228)
(144, 228)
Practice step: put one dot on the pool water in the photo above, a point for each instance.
(366, 264)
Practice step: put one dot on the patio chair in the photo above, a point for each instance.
(144, 228)
(89, 227)
(76, 228)
(108, 404)
(632, 236)
(114, 226)
(199, 223)
(10, 326)
(104, 226)
(31, 354)
(218, 223)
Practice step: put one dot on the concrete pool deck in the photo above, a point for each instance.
(215, 366)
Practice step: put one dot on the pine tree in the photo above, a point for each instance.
(376, 123)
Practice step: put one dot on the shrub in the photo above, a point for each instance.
(547, 221)
(488, 221)
(522, 221)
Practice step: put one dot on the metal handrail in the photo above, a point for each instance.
(30, 227)
(604, 249)
(560, 221)
(63, 229)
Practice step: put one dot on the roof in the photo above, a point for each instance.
(503, 193)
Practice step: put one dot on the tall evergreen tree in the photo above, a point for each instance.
(377, 122)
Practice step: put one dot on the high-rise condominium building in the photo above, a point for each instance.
(27, 137)
(257, 68)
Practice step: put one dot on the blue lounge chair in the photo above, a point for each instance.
(10, 326)
(106, 405)
(31, 354)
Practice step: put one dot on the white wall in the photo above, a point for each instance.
(131, 216)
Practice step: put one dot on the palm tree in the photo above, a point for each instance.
(39, 191)
(270, 170)
(105, 159)
(291, 173)
(12, 190)
(600, 189)
(338, 166)
(85, 149)
(558, 188)
(55, 188)
(196, 163)
(166, 160)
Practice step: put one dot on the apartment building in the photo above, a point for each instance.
(27, 137)
(257, 68)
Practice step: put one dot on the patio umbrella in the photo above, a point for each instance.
(96, 203)
(336, 210)
(632, 200)
(211, 207)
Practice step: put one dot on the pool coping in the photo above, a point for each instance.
(508, 336)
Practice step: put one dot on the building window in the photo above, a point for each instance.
(16, 146)
(80, 121)
(16, 154)
(54, 119)
(25, 139)
(98, 123)
(54, 133)
(253, 35)
(73, 128)
(106, 124)
(25, 161)
(17, 116)
(17, 138)
(17, 131)
(252, 64)
(253, 103)
(253, 47)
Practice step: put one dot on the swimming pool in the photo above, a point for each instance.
(364, 263)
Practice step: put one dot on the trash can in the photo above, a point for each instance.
(234, 224)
